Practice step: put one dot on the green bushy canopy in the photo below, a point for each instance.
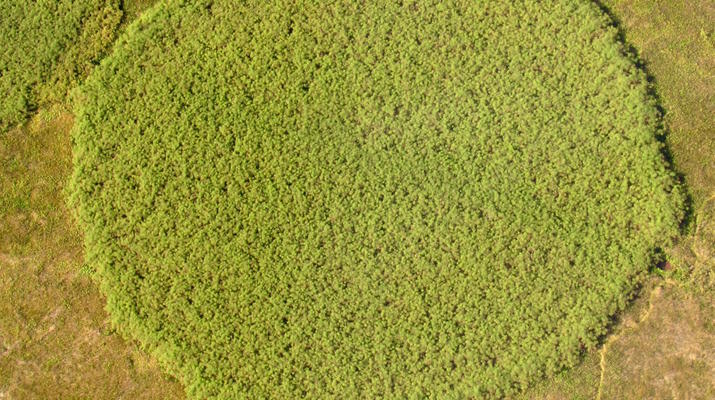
(46, 47)
(373, 199)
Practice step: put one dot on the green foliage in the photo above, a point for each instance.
(47, 47)
(364, 200)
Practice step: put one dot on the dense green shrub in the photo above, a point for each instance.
(46, 47)
(370, 199)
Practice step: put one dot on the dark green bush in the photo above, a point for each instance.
(46, 47)
(370, 199)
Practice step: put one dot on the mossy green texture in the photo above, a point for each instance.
(47, 47)
(369, 199)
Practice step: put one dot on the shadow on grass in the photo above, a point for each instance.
(687, 224)
(688, 221)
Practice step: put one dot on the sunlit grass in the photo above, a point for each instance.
(290, 200)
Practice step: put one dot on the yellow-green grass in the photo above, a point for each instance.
(429, 238)
(662, 347)
(46, 48)
(669, 355)
(63, 355)
(49, 46)
(659, 349)
(55, 340)
(676, 41)
(666, 353)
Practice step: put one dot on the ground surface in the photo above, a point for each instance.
(55, 337)
(55, 342)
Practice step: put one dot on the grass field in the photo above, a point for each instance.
(55, 341)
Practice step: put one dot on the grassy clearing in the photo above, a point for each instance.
(665, 354)
(55, 337)
(48, 47)
(676, 42)
(275, 214)
(659, 349)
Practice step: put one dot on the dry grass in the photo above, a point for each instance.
(663, 347)
(669, 355)
(55, 342)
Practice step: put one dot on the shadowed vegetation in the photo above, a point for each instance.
(48, 47)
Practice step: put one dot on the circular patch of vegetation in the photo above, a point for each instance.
(369, 199)
(47, 46)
